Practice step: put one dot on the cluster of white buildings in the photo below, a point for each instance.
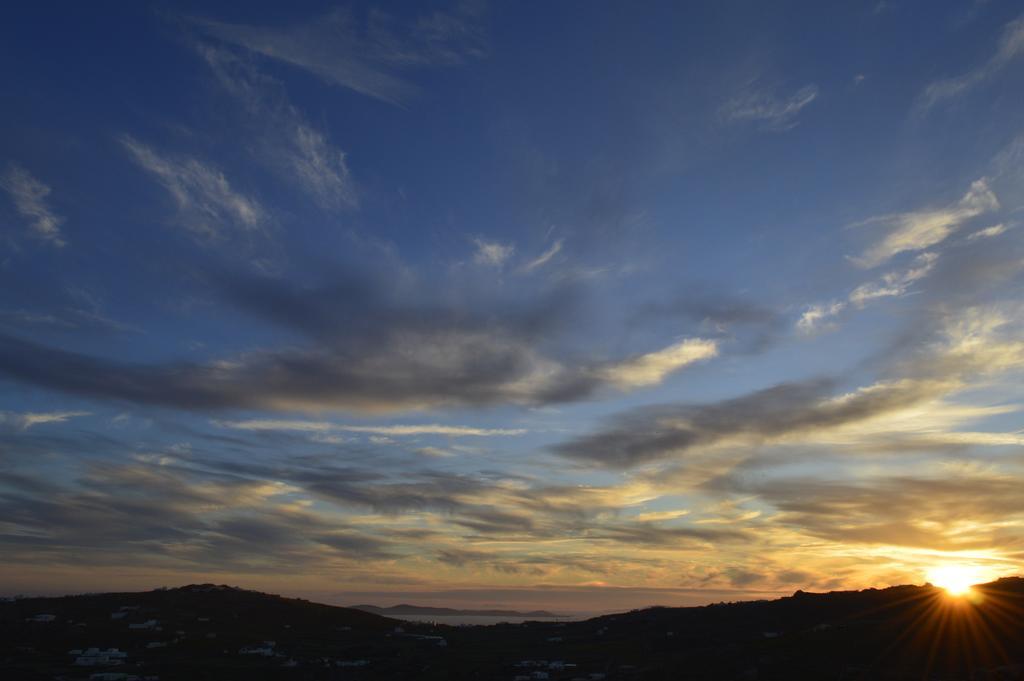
(93, 657)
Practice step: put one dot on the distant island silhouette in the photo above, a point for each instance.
(407, 609)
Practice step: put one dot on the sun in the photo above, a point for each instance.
(957, 580)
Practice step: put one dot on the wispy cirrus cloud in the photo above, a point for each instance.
(545, 257)
(766, 108)
(26, 420)
(918, 230)
(895, 283)
(988, 232)
(364, 58)
(29, 196)
(208, 207)
(283, 138)
(891, 284)
(1009, 47)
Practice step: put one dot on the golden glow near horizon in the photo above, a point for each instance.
(957, 580)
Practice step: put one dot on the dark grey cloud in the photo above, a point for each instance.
(476, 370)
(161, 515)
(897, 510)
(361, 308)
(975, 271)
(654, 433)
(463, 557)
(703, 305)
(652, 534)
(491, 521)
(432, 492)
(366, 345)
(752, 325)
(483, 506)
(743, 577)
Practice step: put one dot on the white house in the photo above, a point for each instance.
(148, 624)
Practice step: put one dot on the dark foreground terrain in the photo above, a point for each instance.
(223, 633)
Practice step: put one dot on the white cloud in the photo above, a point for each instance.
(918, 230)
(492, 252)
(894, 283)
(653, 367)
(655, 516)
(544, 257)
(27, 420)
(435, 452)
(29, 197)
(396, 430)
(814, 316)
(206, 202)
(1009, 47)
(988, 232)
(768, 109)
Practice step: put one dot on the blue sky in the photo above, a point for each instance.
(504, 303)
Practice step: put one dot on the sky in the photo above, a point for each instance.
(584, 305)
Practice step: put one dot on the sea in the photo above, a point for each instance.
(483, 620)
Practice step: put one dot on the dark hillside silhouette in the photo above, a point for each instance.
(217, 632)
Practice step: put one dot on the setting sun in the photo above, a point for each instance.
(956, 579)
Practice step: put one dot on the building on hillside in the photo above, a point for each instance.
(41, 618)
